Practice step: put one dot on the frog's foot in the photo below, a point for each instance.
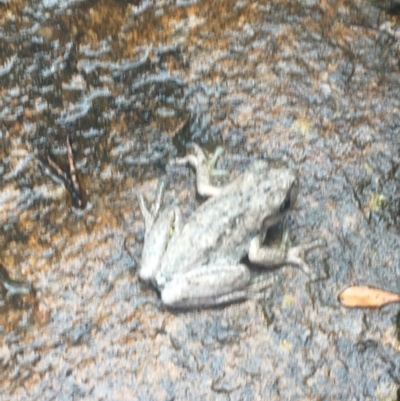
(212, 161)
(295, 255)
(204, 170)
(151, 215)
(14, 287)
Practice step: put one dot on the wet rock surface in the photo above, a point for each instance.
(315, 86)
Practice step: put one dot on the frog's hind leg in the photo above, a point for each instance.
(155, 242)
(258, 284)
(254, 290)
(161, 228)
(209, 285)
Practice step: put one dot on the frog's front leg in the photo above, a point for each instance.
(203, 166)
(207, 286)
(273, 257)
(160, 229)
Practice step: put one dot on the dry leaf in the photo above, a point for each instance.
(367, 297)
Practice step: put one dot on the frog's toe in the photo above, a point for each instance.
(296, 254)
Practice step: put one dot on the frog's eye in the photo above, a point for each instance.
(290, 198)
(285, 206)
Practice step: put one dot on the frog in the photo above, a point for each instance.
(200, 262)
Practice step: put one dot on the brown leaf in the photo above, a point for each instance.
(367, 297)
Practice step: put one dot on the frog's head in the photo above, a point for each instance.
(276, 190)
